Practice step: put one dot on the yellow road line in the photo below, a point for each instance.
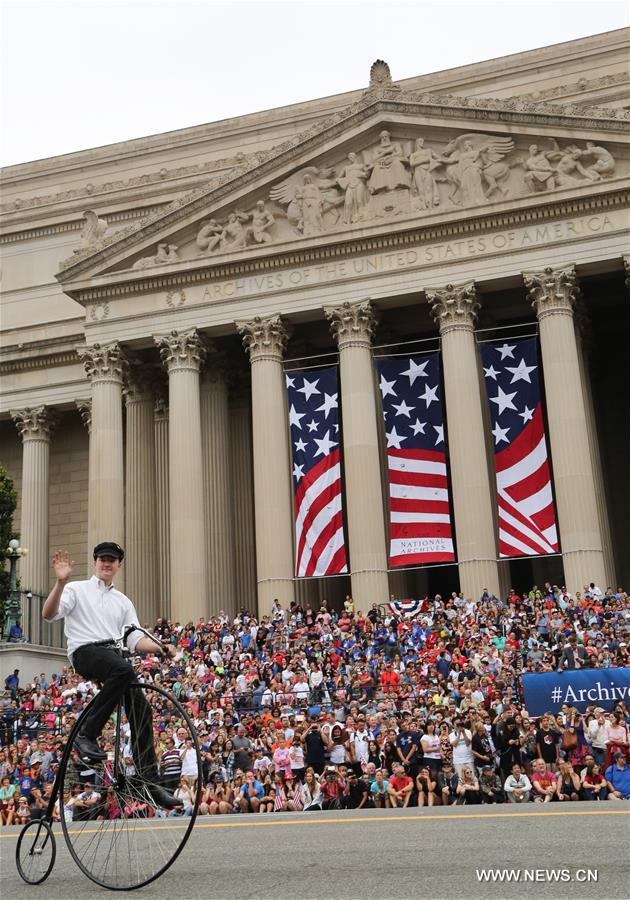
(344, 821)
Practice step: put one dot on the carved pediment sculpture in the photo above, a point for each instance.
(366, 166)
(166, 253)
(405, 177)
(93, 231)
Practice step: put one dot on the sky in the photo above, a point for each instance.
(75, 75)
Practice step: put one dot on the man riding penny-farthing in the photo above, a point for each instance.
(115, 837)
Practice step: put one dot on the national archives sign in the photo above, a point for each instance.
(378, 263)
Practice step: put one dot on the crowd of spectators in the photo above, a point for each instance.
(312, 709)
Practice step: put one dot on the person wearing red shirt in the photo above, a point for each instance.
(390, 679)
(332, 789)
(400, 787)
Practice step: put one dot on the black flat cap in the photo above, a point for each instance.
(109, 548)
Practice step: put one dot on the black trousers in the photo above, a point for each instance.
(116, 674)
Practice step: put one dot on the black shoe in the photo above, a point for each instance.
(88, 749)
(163, 797)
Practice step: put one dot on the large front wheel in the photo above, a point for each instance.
(123, 839)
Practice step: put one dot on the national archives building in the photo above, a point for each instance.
(156, 292)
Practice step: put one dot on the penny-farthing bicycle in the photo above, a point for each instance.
(124, 840)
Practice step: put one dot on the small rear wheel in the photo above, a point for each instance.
(36, 851)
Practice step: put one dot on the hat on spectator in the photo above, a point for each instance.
(109, 548)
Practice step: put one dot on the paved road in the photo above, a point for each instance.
(374, 854)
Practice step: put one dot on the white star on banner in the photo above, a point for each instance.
(490, 372)
(330, 402)
(520, 372)
(312, 426)
(290, 381)
(309, 388)
(439, 438)
(418, 427)
(402, 409)
(500, 434)
(503, 401)
(430, 394)
(300, 447)
(295, 416)
(415, 371)
(394, 439)
(297, 471)
(386, 387)
(527, 415)
(324, 445)
(507, 350)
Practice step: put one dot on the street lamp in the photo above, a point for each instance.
(13, 607)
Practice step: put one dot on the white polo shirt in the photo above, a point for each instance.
(95, 612)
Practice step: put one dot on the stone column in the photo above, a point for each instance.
(141, 511)
(215, 436)
(242, 480)
(266, 339)
(182, 353)
(34, 425)
(582, 337)
(163, 540)
(104, 365)
(84, 408)
(352, 325)
(553, 294)
(455, 310)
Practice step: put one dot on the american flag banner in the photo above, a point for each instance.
(419, 514)
(320, 547)
(527, 520)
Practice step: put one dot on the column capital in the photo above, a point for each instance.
(352, 324)
(34, 423)
(85, 411)
(181, 350)
(552, 291)
(626, 268)
(264, 338)
(103, 362)
(454, 308)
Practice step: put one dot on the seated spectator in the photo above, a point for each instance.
(568, 783)
(311, 792)
(543, 782)
(379, 790)
(490, 787)
(22, 812)
(426, 784)
(518, 786)
(251, 793)
(400, 787)
(357, 793)
(468, 788)
(447, 784)
(618, 777)
(594, 784)
(86, 804)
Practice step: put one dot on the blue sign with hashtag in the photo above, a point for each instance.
(546, 692)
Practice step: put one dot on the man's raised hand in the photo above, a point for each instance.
(63, 565)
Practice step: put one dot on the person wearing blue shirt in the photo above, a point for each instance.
(251, 793)
(618, 777)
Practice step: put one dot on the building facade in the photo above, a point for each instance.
(155, 292)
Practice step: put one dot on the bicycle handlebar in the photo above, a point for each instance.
(131, 628)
